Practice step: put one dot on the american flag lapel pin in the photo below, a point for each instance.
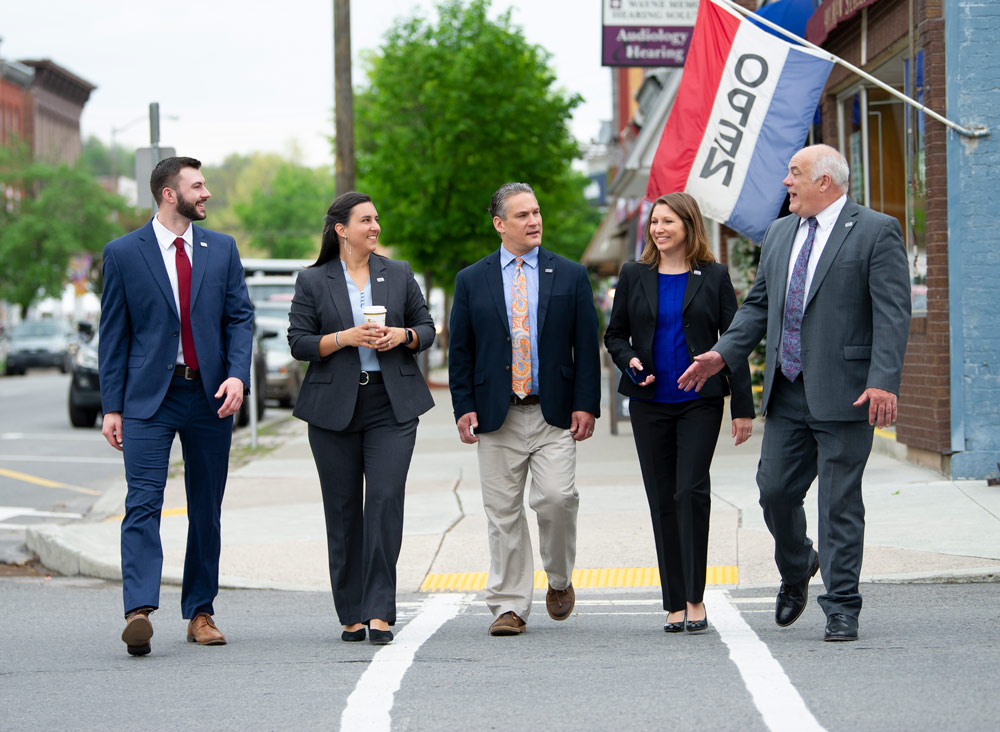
(204, 244)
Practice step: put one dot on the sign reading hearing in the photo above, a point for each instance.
(647, 32)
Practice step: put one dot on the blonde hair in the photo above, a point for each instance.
(696, 247)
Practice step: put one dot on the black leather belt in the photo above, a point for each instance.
(370, 377)
(187, 373)
(530, 399)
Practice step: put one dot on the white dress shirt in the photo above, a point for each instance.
(825, 220)
(165, 238)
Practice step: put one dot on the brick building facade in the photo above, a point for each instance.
(920, 171)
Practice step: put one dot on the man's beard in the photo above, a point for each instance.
(189, 210)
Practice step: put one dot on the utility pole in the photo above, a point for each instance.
(343, 95)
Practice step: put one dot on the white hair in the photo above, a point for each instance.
(828, 161)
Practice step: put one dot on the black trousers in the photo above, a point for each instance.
(675, 444)
(798, 448)
(362, 473)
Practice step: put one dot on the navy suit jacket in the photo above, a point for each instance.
(480, 355)
(141, 329)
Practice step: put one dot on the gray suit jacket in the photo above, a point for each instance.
(321, 305)
(857, 312)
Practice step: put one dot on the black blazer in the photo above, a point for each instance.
(708, 309)
(479, 356)
(322, 305)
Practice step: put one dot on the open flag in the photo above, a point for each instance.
(743, 108)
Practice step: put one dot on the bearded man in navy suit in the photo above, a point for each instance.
(175, 349)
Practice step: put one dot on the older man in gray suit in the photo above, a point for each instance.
(833, 295)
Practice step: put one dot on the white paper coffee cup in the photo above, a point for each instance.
(374, 314)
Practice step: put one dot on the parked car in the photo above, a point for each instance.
(284, 372)
(36, 343)
(84, 386)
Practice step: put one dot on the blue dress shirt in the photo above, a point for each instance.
(359, 300)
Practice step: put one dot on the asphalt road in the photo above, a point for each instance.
(46, 465)
(49, 470)
(926, 661)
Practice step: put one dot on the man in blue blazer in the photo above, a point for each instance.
(175, 343)
(524, 374)
(832, 294)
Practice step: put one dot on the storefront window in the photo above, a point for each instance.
(887, 170)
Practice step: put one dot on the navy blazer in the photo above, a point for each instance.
(322, 305)
(480, 354)
(141, 329)
(708, 308)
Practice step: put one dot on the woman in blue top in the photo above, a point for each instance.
(670, 306)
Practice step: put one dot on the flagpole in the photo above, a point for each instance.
(977, 131)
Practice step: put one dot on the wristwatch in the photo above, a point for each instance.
(409, 336)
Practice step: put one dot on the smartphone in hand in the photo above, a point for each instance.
(638, 376)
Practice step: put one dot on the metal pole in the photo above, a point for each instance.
(154, 130)
(343, 95)
(977, 131)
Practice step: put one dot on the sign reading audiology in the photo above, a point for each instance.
(647, 32)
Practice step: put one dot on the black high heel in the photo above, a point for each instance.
(697, 626)
(669, 627)
(353, 636)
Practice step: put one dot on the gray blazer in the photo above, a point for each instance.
(321, 305)
(857, 312)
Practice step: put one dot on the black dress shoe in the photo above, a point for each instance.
(669, 627)
(697, 626)
(379, 637)
(792, 597)
(353, 636)
(840, 627)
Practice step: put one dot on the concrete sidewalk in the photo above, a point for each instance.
(920, 526)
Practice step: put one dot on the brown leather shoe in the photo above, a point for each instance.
(507, 624)
(138, 631)
(560, 603)
(202, 630)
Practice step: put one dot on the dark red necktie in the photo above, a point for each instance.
(184, 293)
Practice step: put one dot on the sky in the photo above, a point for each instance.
(239, 76)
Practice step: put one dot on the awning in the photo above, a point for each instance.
(633, 177)
(606, 251)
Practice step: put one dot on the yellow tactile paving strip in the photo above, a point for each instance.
(582, 578)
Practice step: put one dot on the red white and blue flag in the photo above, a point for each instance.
(743, 108)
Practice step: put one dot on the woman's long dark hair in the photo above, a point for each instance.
(338, 213)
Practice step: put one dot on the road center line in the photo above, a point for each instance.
(777, 700)
(369, 704)
(46, 482)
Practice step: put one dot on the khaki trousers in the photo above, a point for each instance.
(527, 442)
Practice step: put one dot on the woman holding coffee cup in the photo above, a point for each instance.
(359, 318)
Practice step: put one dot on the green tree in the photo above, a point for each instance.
(97, 159)
(453, 110)
(52, 213)
(285, 216)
